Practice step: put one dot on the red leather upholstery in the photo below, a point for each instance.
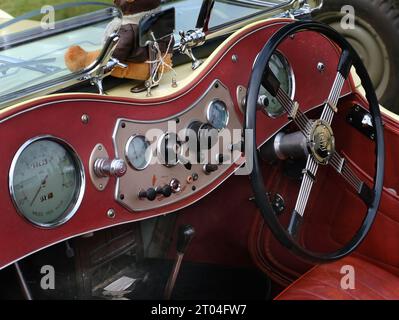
(323, 282)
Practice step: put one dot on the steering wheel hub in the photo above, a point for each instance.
(322, 142)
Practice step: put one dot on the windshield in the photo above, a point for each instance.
(33, 45)
(224, 11)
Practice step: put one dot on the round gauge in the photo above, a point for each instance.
(281, 68)
(169, 149)
(46, 181)
(138, 152)
(217, 114)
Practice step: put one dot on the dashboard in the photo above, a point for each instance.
(72, 164)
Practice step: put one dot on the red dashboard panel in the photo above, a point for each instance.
(60, 116)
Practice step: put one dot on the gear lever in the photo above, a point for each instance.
(185, 235)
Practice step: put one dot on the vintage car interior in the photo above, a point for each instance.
(259, 167)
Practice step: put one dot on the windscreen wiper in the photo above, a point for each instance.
(7, 63)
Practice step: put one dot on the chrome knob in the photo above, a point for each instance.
(175, 185)
(110, 168)
(367, 121)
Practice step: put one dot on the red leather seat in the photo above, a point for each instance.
(323, 282)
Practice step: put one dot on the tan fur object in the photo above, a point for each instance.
(77, 59)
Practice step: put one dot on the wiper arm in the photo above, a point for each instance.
(7, 63)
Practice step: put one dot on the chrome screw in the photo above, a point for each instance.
(111, 213)
(85, 119)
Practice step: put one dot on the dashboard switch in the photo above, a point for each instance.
(209, 168)
(166, 191)
(110, 168)
(150, 194)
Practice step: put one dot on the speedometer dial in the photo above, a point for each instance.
(46, 181)
(281, 68)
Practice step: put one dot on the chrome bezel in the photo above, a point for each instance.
(79, 193)
(148, 161)
(208, 115)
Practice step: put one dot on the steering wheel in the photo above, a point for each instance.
(320, 141)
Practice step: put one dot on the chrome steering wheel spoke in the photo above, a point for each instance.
(273, 86)
(309, 178)
(330, 107)
(343, 168)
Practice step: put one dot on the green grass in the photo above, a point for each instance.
(19, 7)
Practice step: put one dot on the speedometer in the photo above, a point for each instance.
(281, 68)
(46, 181)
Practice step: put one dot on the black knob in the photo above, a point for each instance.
(185, 235)
(166, 191)
(209, 168)
(150, 194)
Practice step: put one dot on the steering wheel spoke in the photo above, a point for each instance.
(272, 85)
(309, 178)
(330, 107)
(344, 169)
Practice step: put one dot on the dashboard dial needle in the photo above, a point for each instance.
(38, 190)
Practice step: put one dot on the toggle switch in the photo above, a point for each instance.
(166, 191)
(209, 168)
(150, 194)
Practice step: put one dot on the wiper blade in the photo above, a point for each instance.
(7, 63)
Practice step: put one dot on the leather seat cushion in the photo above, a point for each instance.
(323, 282)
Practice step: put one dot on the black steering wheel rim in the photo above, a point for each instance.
(256, 177)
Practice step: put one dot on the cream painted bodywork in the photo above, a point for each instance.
(4, 15)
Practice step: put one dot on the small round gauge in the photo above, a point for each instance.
(217, 114)
(281, 68)
(46, 181)
(138, 152)
(169, 149)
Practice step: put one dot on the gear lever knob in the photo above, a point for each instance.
(185, 235)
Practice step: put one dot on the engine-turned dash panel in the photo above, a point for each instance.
(172, 159)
